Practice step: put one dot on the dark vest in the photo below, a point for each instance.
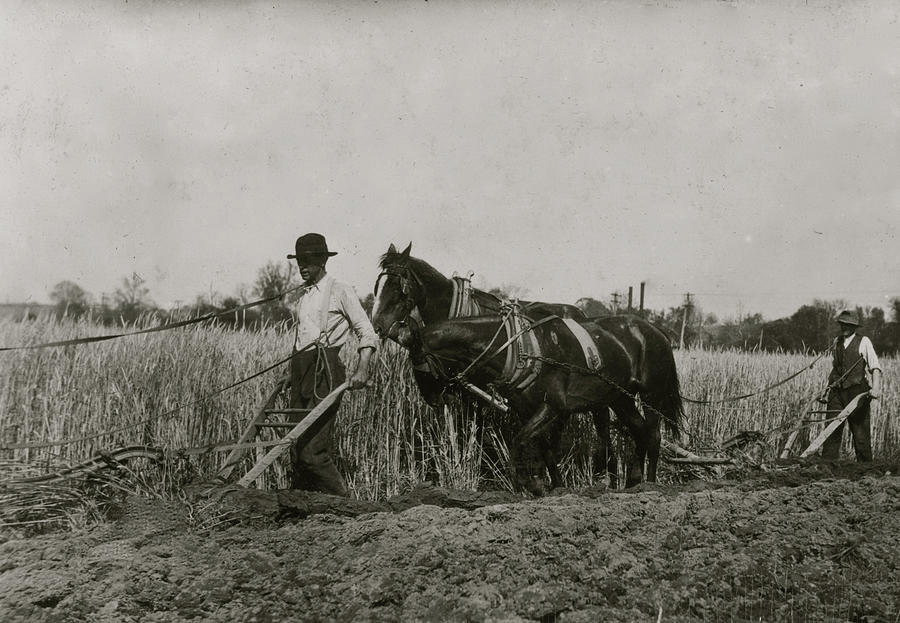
(849, 359)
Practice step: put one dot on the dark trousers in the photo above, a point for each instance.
(859, 422)
(314, 373)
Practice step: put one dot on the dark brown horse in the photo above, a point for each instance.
(551, 379)
(411, 294)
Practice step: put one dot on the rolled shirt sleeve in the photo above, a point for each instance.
(868, 353)
(356, 317)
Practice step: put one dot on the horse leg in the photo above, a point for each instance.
(550, 452)
(605, 456)
(661, 406)
(629, 415)
(532, 428)
(654, 440)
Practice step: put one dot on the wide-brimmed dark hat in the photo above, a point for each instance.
(311, 244)
(848, 317)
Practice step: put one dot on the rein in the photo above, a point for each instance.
(767, 388)
(483, 356)
(475, 362)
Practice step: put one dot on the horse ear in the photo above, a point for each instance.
(407, 250)
(392, 249)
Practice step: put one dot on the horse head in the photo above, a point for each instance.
(398, 291)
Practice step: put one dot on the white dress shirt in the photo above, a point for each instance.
(328, 311)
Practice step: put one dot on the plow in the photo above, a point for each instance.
(260, 422)
(735, 451)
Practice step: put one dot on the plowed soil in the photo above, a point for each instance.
(802, 542)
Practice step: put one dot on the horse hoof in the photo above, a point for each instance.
(536, 487)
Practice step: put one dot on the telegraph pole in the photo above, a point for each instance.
(684, 315)
(615, 297)
(643, 283)
(630, 289)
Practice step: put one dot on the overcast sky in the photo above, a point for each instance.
(747, 152)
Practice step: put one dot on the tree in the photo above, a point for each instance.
(885, 335)
(507, 291)
(368, 303)
(235, 320)
(204, 304)
(811, 327)
(743, 334)
(895, 309)
(132, 299)
(133, 292)
(706, 328)
(271, 280)
(592, 307)
(679, 321)
(70, 299)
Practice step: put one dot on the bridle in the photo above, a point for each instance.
(408, 278)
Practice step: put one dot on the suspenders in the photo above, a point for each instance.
(327, 286)
(323, 312)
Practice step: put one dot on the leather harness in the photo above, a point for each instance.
(523, 350)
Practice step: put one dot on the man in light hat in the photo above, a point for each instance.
(855, 362)
(326, 312)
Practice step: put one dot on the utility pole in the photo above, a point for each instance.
(630, 289)
(684, 315)
(643, 283)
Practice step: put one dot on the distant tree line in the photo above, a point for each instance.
(131, 302)
(810, 328)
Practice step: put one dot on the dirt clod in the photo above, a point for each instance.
(803, 542)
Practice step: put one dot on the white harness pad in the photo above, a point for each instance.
(588, 346)
(462, 305)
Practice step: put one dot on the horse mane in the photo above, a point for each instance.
(423, 269)
(427, 272)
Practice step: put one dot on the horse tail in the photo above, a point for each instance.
(663, 391)
(671, 404)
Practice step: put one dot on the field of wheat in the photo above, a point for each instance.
(61, 405)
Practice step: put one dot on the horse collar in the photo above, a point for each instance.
(523, 351)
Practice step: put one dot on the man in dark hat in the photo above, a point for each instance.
(326, 312)
(855, 362)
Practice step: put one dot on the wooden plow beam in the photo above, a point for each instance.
(688, 457)
(488, 398)
(249, 434)
(282, 446)
(826, 432)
